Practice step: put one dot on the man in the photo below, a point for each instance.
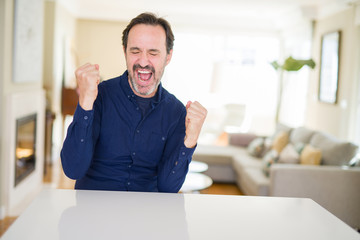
(129, 133)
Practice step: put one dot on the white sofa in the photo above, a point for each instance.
(333, 184)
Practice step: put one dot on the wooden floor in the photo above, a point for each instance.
(55, 178)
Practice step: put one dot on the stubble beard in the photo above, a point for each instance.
(148, 90)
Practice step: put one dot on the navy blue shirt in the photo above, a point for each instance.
(114, 147)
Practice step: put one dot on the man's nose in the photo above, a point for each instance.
(143, 59)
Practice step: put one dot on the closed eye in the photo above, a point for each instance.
(154, 52)
(134, 50)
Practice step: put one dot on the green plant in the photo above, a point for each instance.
(290, 65)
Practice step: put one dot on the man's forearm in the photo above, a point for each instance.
(78, 147)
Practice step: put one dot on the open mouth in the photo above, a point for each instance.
(144, 75)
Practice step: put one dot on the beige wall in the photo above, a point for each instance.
(100, 42)
(335, 119)
(49, 23)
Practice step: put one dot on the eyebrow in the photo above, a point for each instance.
(150, 50)
(134, 48)
(154, 50)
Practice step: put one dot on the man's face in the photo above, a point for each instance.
(146, 58)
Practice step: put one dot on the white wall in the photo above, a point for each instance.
(2, 61)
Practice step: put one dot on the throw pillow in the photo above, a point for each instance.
(310, 155)
(289, 155)
(270, 158)
(334, 151)
(301, 134)
(256, 147)
(280, 141)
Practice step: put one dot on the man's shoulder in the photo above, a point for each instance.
(110, 86)
(110, 82)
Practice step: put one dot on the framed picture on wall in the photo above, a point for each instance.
(329, 68)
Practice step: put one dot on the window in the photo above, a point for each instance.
(219, 70)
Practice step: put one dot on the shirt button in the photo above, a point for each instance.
(137, 108)
(128, 183)
(86, 117)
(173, 172)
(183, 153)
(163, 138)
(137, 131)
(133, 153)
(129, 166)
(82, 140)
(176, 163)
(128, 96)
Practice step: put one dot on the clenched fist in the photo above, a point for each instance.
(195, 117)
(88, 78)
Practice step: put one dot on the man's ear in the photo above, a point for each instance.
(168, 57)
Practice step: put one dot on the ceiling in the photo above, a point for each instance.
(244, 14)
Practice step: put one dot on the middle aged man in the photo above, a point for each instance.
(129, 133)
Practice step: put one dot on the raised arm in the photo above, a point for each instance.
(180, 148)
(78, 147)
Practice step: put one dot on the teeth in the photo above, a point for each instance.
(141, 71)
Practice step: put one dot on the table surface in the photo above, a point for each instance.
(71, 214)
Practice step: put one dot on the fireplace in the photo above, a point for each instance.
(25, 151)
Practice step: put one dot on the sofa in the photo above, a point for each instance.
(293, 162)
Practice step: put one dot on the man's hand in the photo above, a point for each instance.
(195, 117)
(88, 78)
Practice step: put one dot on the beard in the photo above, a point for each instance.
(149, 89)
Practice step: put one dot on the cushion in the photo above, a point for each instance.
(256, 147)
(241, 139)
(280, 141)
(301, 135)
(310, 155)
(334, 151)
(270, 158)
(289, 155)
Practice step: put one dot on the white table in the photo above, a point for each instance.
(70, 214)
